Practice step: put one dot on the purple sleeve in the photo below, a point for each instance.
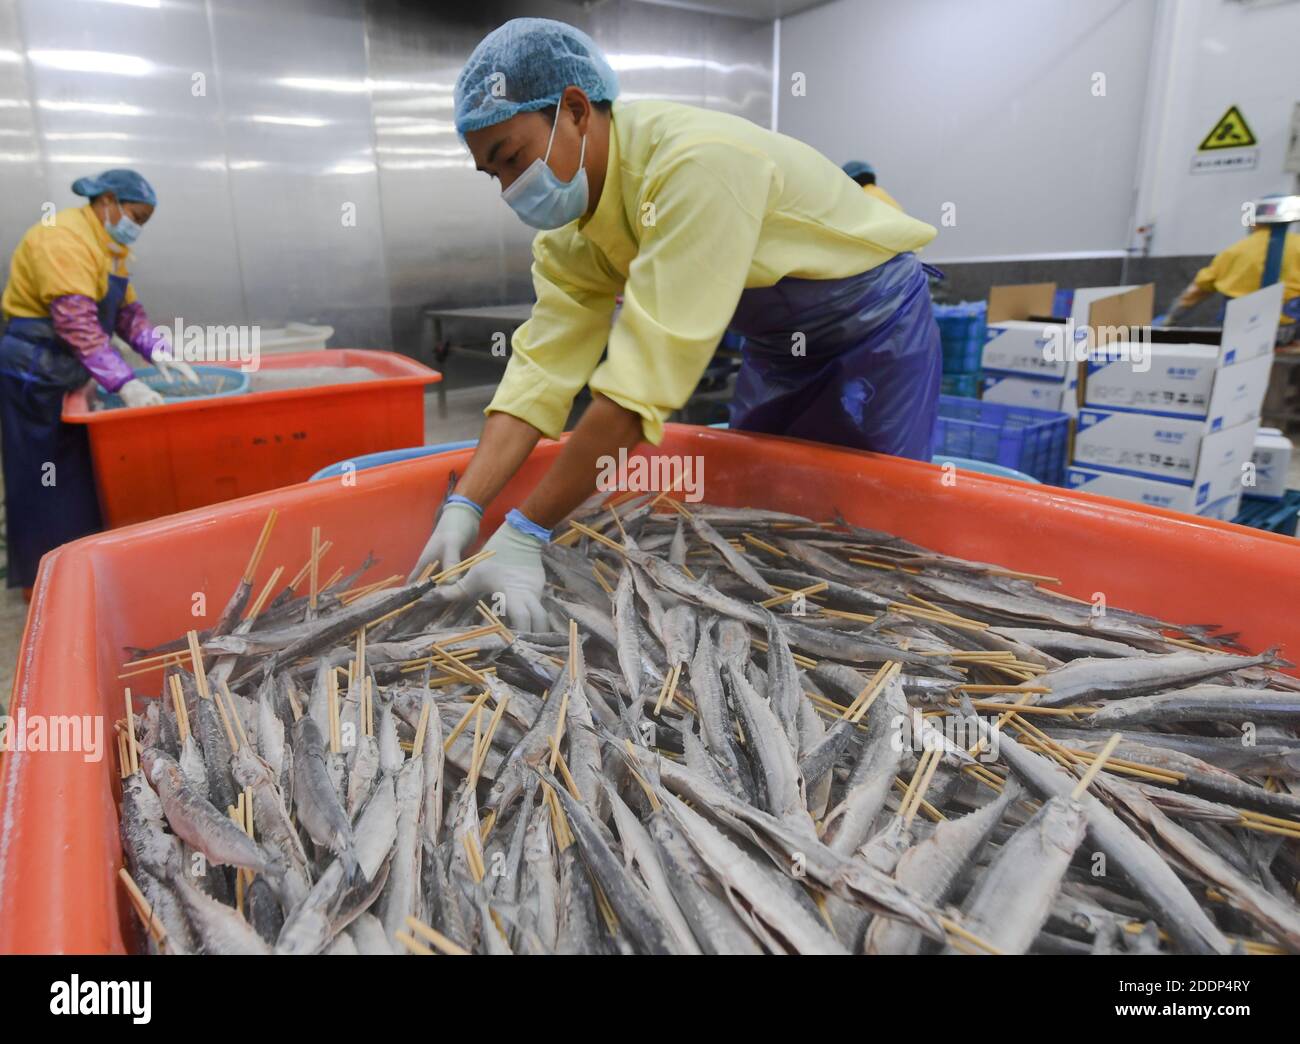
(76, 321)
(134, 328)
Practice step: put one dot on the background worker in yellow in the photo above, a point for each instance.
(702, 221)
(1237, 271)
(865, 175)
(68, 292)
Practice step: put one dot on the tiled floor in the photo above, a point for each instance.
(464, 419)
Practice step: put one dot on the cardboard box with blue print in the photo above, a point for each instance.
(1272, 460)
(1201, 500)
(1011, 389)
(1024, 340)
(1214, 489)
(1190, 379)
(1169, 448)
(1186, 380)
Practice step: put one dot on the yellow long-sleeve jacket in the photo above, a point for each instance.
(72, 255)
(1238, 269)
(697, 206)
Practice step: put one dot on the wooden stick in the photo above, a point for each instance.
(558, 759)
(302, 573)
(260, 601)
(182, 712)
(144, 909)
(225, 720)
(436, 937)
(255, 559)
(313, 591)
(196, 660)
(332, 691)
(460, 725)
(812, 589)
(418, 747)
(234, 713)
(132, 745)
(414, 947)
(462, 565)
(477, 767)
(600, 537)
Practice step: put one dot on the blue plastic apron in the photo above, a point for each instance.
(854, 362)
(49, 480)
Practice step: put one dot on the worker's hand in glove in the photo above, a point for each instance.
(136, 393)
(455, 531)
(514, 572)
(172, 368)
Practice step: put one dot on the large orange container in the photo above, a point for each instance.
(58, 815)
(183, 455)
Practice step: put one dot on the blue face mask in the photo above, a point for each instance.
(124, 230)
(541, 199)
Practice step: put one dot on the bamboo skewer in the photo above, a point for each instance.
(435, 937)
(263, 538)
(1097, 765)
(314, 590)
(132, 745)
(144, 910)
(196, 660)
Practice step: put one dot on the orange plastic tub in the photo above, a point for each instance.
(58, 816)
(155, 462)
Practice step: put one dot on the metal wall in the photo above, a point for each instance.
(447, 236)
(303, 150)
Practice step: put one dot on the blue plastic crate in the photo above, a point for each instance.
(963, 329)
(966, 385)
(1276, 516)
(1033, 441)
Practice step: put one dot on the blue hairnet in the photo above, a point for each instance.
(126, 185)
(856, 168)
(525, 65)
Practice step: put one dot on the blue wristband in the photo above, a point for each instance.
(456, 498)
(516, 519)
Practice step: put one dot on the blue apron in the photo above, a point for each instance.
(49, 480)
(854, 361)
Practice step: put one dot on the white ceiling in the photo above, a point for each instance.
(760, 10)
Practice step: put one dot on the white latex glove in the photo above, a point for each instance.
(172, 368)
(515, 573)
(455, 531)
(136, 393)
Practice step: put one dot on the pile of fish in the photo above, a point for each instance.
(747, 732)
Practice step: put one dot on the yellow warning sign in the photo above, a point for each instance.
(1231, 132)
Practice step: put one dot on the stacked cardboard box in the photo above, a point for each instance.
(1174, 425)
(1033, 359)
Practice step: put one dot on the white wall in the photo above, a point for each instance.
(1217, 54)
(987, 104)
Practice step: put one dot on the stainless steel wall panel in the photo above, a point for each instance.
(448, 237)
(304, 189)
(123, 85)
(259, 122)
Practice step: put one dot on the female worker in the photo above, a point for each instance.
(68, 293)
(702, 221)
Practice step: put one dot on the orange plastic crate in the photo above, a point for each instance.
(59, 849)
(155, 462)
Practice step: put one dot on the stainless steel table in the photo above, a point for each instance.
(503, 319)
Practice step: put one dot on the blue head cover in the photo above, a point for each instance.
(126, 185)
(856, 168)
(525, 65)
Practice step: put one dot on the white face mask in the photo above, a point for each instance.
(541, 199)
